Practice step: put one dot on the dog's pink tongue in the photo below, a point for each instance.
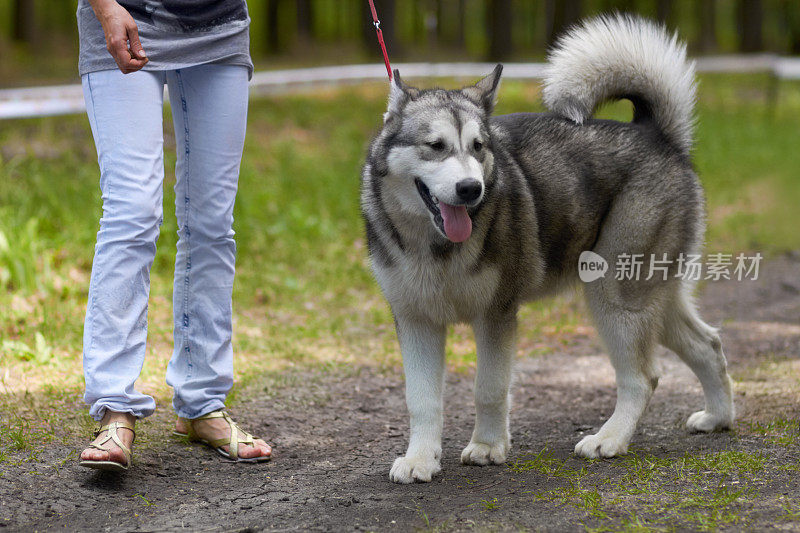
(457, 224)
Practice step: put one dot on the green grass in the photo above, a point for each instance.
(781, 431)
(304, 295)
(643, 492)
(490, 505)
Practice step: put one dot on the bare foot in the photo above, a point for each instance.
(217, 428)
(110, 451)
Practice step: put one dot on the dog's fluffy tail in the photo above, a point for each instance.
(621, 56)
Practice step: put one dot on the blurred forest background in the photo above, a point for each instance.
(38, 38)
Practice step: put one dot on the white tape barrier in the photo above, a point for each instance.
(41, 101)
(280, 80)
(787, 68)
(68, 99)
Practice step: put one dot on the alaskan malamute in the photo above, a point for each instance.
(469, 215)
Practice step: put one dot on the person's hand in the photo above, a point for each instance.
(122, 35)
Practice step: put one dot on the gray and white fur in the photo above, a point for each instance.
(468, 216)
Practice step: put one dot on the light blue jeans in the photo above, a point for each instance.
(209, 109)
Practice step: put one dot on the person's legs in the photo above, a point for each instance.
(125, 116)
(209, 108)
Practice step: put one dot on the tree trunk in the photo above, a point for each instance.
(461, 22)
(561, 14)
(386, 14)
(24, 24)
(499, 24)
(432, 23)
(273, 41)
(750, 17)
(664, 11)
(305, 20)
(791, 13)
(707, 16)
(623, 6)
(418, 18)
(440, 16)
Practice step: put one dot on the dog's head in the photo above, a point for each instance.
(435, 153)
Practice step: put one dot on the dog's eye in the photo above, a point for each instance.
(477, 145)
(436, 146)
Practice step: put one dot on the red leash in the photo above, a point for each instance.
(380, 38)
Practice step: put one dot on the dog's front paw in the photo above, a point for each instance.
(599, 445)
(703, 422)
(479, 453)
(409, 469)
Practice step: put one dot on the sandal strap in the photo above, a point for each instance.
(113, 436)
(236, 437)
(220, 413)
(233, 447)
(117, 425)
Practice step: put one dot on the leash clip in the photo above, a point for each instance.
(377, 22)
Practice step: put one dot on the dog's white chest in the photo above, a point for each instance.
(444, 292)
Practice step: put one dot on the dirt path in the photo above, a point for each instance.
(336, 436)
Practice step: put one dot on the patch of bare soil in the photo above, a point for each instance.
(336, 436)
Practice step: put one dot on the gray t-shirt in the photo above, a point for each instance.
(174, 33)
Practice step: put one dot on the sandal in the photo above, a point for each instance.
(237, 436)
(114, 437)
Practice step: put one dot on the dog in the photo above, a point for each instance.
(469, 215)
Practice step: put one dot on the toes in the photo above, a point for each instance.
(265, 448)
(588, 447)
(93, 454)
(410, 469)
(594, 446)
(703, 422)
(261, 449)
(478, 453)
(117, 456)
(248, 452)
(264, 451)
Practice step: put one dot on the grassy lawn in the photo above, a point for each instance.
(642, 492)
(304, 295)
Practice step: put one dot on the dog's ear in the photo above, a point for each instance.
(484, 93)
(399, 94)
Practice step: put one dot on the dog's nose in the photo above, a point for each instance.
(469, 189)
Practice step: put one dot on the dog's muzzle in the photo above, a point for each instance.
(452, 221)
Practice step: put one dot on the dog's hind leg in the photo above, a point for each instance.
(491, 439)
(422, 346)
(629, 338)
(699, 346)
